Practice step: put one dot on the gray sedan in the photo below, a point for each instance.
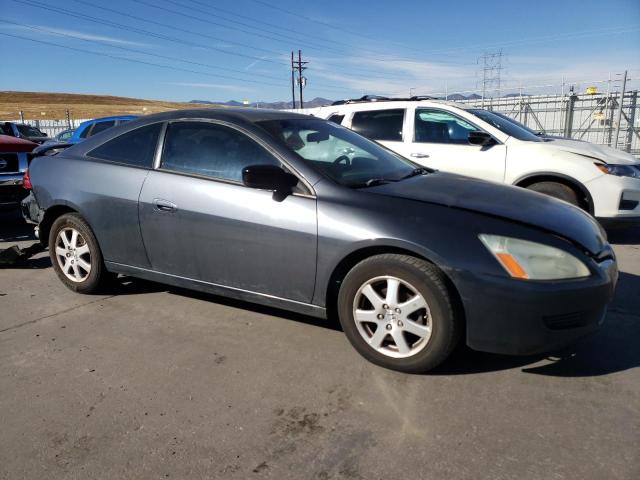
(305, 215)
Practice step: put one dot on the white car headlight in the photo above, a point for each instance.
(533, 261)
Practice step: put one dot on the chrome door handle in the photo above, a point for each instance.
(419, 155)
(164, 205)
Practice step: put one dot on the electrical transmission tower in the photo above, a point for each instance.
(491, 71)
(297, 66)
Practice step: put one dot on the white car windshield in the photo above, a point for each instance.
(506, 125)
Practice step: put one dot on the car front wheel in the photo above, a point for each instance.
(76, 256)
(397, 311)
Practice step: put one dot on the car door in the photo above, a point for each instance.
(200, 222)
(440, 141)
(385, 126)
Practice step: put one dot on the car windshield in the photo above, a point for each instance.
(66, 135)
(29, 131)
(506, 125)
(339, 153)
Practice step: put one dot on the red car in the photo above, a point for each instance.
(14, 160)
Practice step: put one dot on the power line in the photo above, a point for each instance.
(169, 67)
(144, 62)
(284, 39)
(173, 27)
(141, 31)
(341, 30)
(369, 73)
(267, 23)
(165, 57)
(186, 15)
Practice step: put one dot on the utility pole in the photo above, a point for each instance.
(298, 65)
(293, 83)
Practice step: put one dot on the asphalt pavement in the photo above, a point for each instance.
(155, 382)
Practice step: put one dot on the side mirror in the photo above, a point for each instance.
(268, 177)
(480, 138)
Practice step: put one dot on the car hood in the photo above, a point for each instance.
(601, 152)
(504, 201)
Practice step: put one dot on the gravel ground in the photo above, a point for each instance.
(157, 382)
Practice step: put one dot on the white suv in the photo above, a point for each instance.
(478, 143)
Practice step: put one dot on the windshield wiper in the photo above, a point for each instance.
(416, 171)
(372, 182)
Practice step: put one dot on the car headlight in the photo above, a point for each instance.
(533, 261)
(620, 170)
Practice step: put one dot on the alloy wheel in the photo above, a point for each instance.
(73, 254)
(392, 316)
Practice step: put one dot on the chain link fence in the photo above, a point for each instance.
(604, 119)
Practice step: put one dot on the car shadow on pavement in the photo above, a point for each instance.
(624, 236)
(13, 228)
(331, 323)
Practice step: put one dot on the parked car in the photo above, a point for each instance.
(22, 130)
(470, 141)
(14, 160)
(298, 213)
(65, 135)
(91, 127)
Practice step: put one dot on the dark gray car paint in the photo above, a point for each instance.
(251, 245)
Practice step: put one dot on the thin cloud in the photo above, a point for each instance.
(76, 34)
(217, 86)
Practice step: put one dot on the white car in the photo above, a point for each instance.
(478, 143)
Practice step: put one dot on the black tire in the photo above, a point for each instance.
(430, 283)
(98, 280)
(557, 190)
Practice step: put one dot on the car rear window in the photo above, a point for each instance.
(136, 147)
(101, 127)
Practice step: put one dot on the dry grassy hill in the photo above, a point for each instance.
(40, 105)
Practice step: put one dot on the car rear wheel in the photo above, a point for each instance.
(76, 256)
(557, 190)
(396, 310)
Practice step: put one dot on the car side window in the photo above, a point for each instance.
(379, 124)
(101, 127)
(336, 118)
(212, 150)
(439, 126)
(136, 147)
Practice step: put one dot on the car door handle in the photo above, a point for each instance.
(164, 205)
(419, 155)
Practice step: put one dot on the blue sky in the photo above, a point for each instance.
(239, 49)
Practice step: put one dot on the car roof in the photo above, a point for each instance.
(114, 117)
(386, 104)
(238, 113)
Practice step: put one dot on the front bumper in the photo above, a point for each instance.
(615, 199)
(519, 317)
(11, 191)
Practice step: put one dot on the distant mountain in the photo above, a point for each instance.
(316, 102)
(320, 102)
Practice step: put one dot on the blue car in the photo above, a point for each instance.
(91, 127)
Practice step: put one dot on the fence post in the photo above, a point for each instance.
(632, 119)
(21, 116)
(568, 117)
(68, 118)
(620, 106)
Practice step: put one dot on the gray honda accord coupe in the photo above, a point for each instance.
(302, 214)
